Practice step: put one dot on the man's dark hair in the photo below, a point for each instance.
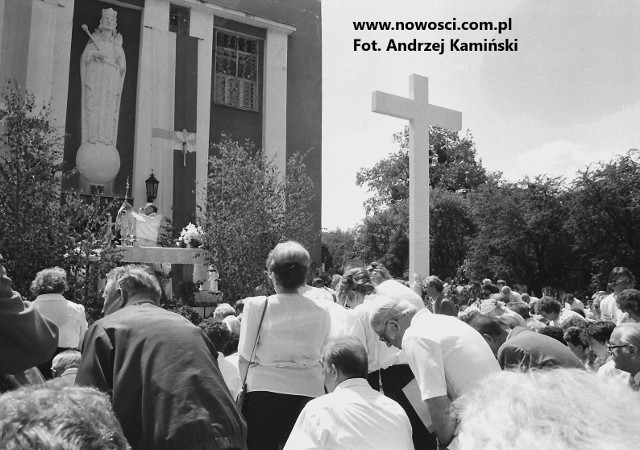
(600, 330)
(549, 305)
(629, 301)
(491, 289)
(435, 283)
(216, 331)
(232, 345)
(567, 298)
(487, 325)
(621, 274)
(576, 336)
(555, 332)
(520, 308)
(349, 357)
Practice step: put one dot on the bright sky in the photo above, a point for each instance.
(567, 98)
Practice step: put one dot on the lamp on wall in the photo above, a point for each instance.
(152, 188)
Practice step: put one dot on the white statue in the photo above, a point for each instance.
(102, 71)
(212, 281)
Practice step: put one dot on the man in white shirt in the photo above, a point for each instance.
(572, 303)
(620, 279)
(352, 415)
(447, 357)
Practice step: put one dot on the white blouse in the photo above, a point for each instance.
(293, 333)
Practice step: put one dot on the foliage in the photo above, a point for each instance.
(452, 166)
(521, 237)
(451, 224)
(604, 217)
(84, 233)
(454, 171)
(543, 232)
(396, 260)
(250, 208)
(376, 230)
(37, 229)
(185, 311)
(340, 246)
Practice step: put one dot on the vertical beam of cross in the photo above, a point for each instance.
(420, 115)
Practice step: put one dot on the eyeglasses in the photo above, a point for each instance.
(610, 348)
(383, 336)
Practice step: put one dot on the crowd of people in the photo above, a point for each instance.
(358, 361)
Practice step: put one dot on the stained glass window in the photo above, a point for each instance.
(236, 73)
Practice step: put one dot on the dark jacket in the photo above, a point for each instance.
(443, 305)
(526, 349)
(26, 338)
(166, 388)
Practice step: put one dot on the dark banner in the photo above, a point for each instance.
(185, 118)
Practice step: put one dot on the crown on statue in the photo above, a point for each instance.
(109, 13)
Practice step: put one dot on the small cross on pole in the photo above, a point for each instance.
(186, 139)
(420, 115)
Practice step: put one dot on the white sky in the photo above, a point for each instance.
(567, 98)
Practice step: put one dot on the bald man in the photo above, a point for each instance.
(352, 415)
(447, 356)
(624, 346)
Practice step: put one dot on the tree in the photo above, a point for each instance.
(29, 187)
(340, 246)
(397, 257)
(454, 171)
(376, 231)
(250, 208)
(604, 219)
(451, 225)
(520, 233)
(452, 166)
(37, 229)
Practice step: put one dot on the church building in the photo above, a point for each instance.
(145, 87)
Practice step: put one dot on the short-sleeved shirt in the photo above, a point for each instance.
(446, 355)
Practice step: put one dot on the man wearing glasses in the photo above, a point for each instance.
(624, 346)
(447, 356)
(620, 279)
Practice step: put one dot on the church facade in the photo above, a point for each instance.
(169, 78)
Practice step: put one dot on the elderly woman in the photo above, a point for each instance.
(285, 372)
(69, 317)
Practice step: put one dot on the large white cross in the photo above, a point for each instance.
(420, 115)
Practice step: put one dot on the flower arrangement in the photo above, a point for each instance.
(190, 236)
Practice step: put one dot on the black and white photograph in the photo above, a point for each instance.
(307, 224)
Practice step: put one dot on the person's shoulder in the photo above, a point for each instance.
(255, 300)
(76, 306)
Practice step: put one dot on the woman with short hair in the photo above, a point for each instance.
(285, 372)
(69, 317)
